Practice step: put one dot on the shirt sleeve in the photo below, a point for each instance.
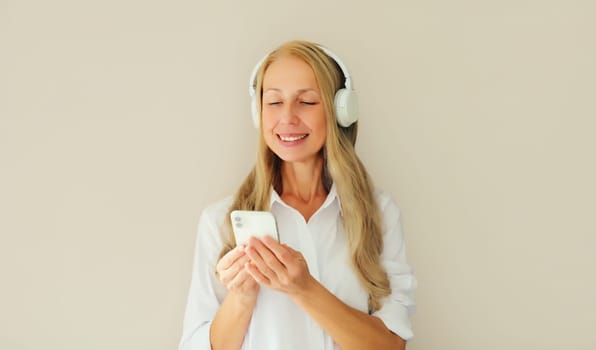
(206, 292)
(400, 304)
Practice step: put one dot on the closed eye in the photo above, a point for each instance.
(274, 103)
(309, 103)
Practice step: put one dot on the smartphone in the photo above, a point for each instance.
(247, 223)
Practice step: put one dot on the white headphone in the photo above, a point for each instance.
(345, 102)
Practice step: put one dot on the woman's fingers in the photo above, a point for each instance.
(287, 256)
(277, 266)
(281, 251)
(227, 260)
(257, 275)
(238, 280)
(264, 259)
(257, 262)
(231, 272)
(280, 265)
(226, 267)
(249, 281)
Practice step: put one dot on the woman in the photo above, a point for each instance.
(339, 279)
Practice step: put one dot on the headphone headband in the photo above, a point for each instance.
(252, 87)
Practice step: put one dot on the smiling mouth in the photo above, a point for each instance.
(291, 138)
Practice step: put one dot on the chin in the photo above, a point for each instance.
(297, 158)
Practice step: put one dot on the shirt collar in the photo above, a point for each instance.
(332, 197)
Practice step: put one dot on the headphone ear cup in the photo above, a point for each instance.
(254, 109)
(346, 107)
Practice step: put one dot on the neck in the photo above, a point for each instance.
(303, 180)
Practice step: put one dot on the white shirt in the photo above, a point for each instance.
(278, 323)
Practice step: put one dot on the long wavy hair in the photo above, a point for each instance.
(361, 220)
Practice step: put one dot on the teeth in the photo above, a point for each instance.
(292, 138)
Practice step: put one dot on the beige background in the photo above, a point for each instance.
(120, 120)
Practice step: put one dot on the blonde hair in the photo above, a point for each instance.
(362, 219)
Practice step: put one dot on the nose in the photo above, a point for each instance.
(288, 114)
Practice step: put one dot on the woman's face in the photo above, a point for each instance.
(293, 116)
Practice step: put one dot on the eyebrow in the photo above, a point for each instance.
(300, 91)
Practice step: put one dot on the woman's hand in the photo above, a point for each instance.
(278, 266)
(232, 274)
